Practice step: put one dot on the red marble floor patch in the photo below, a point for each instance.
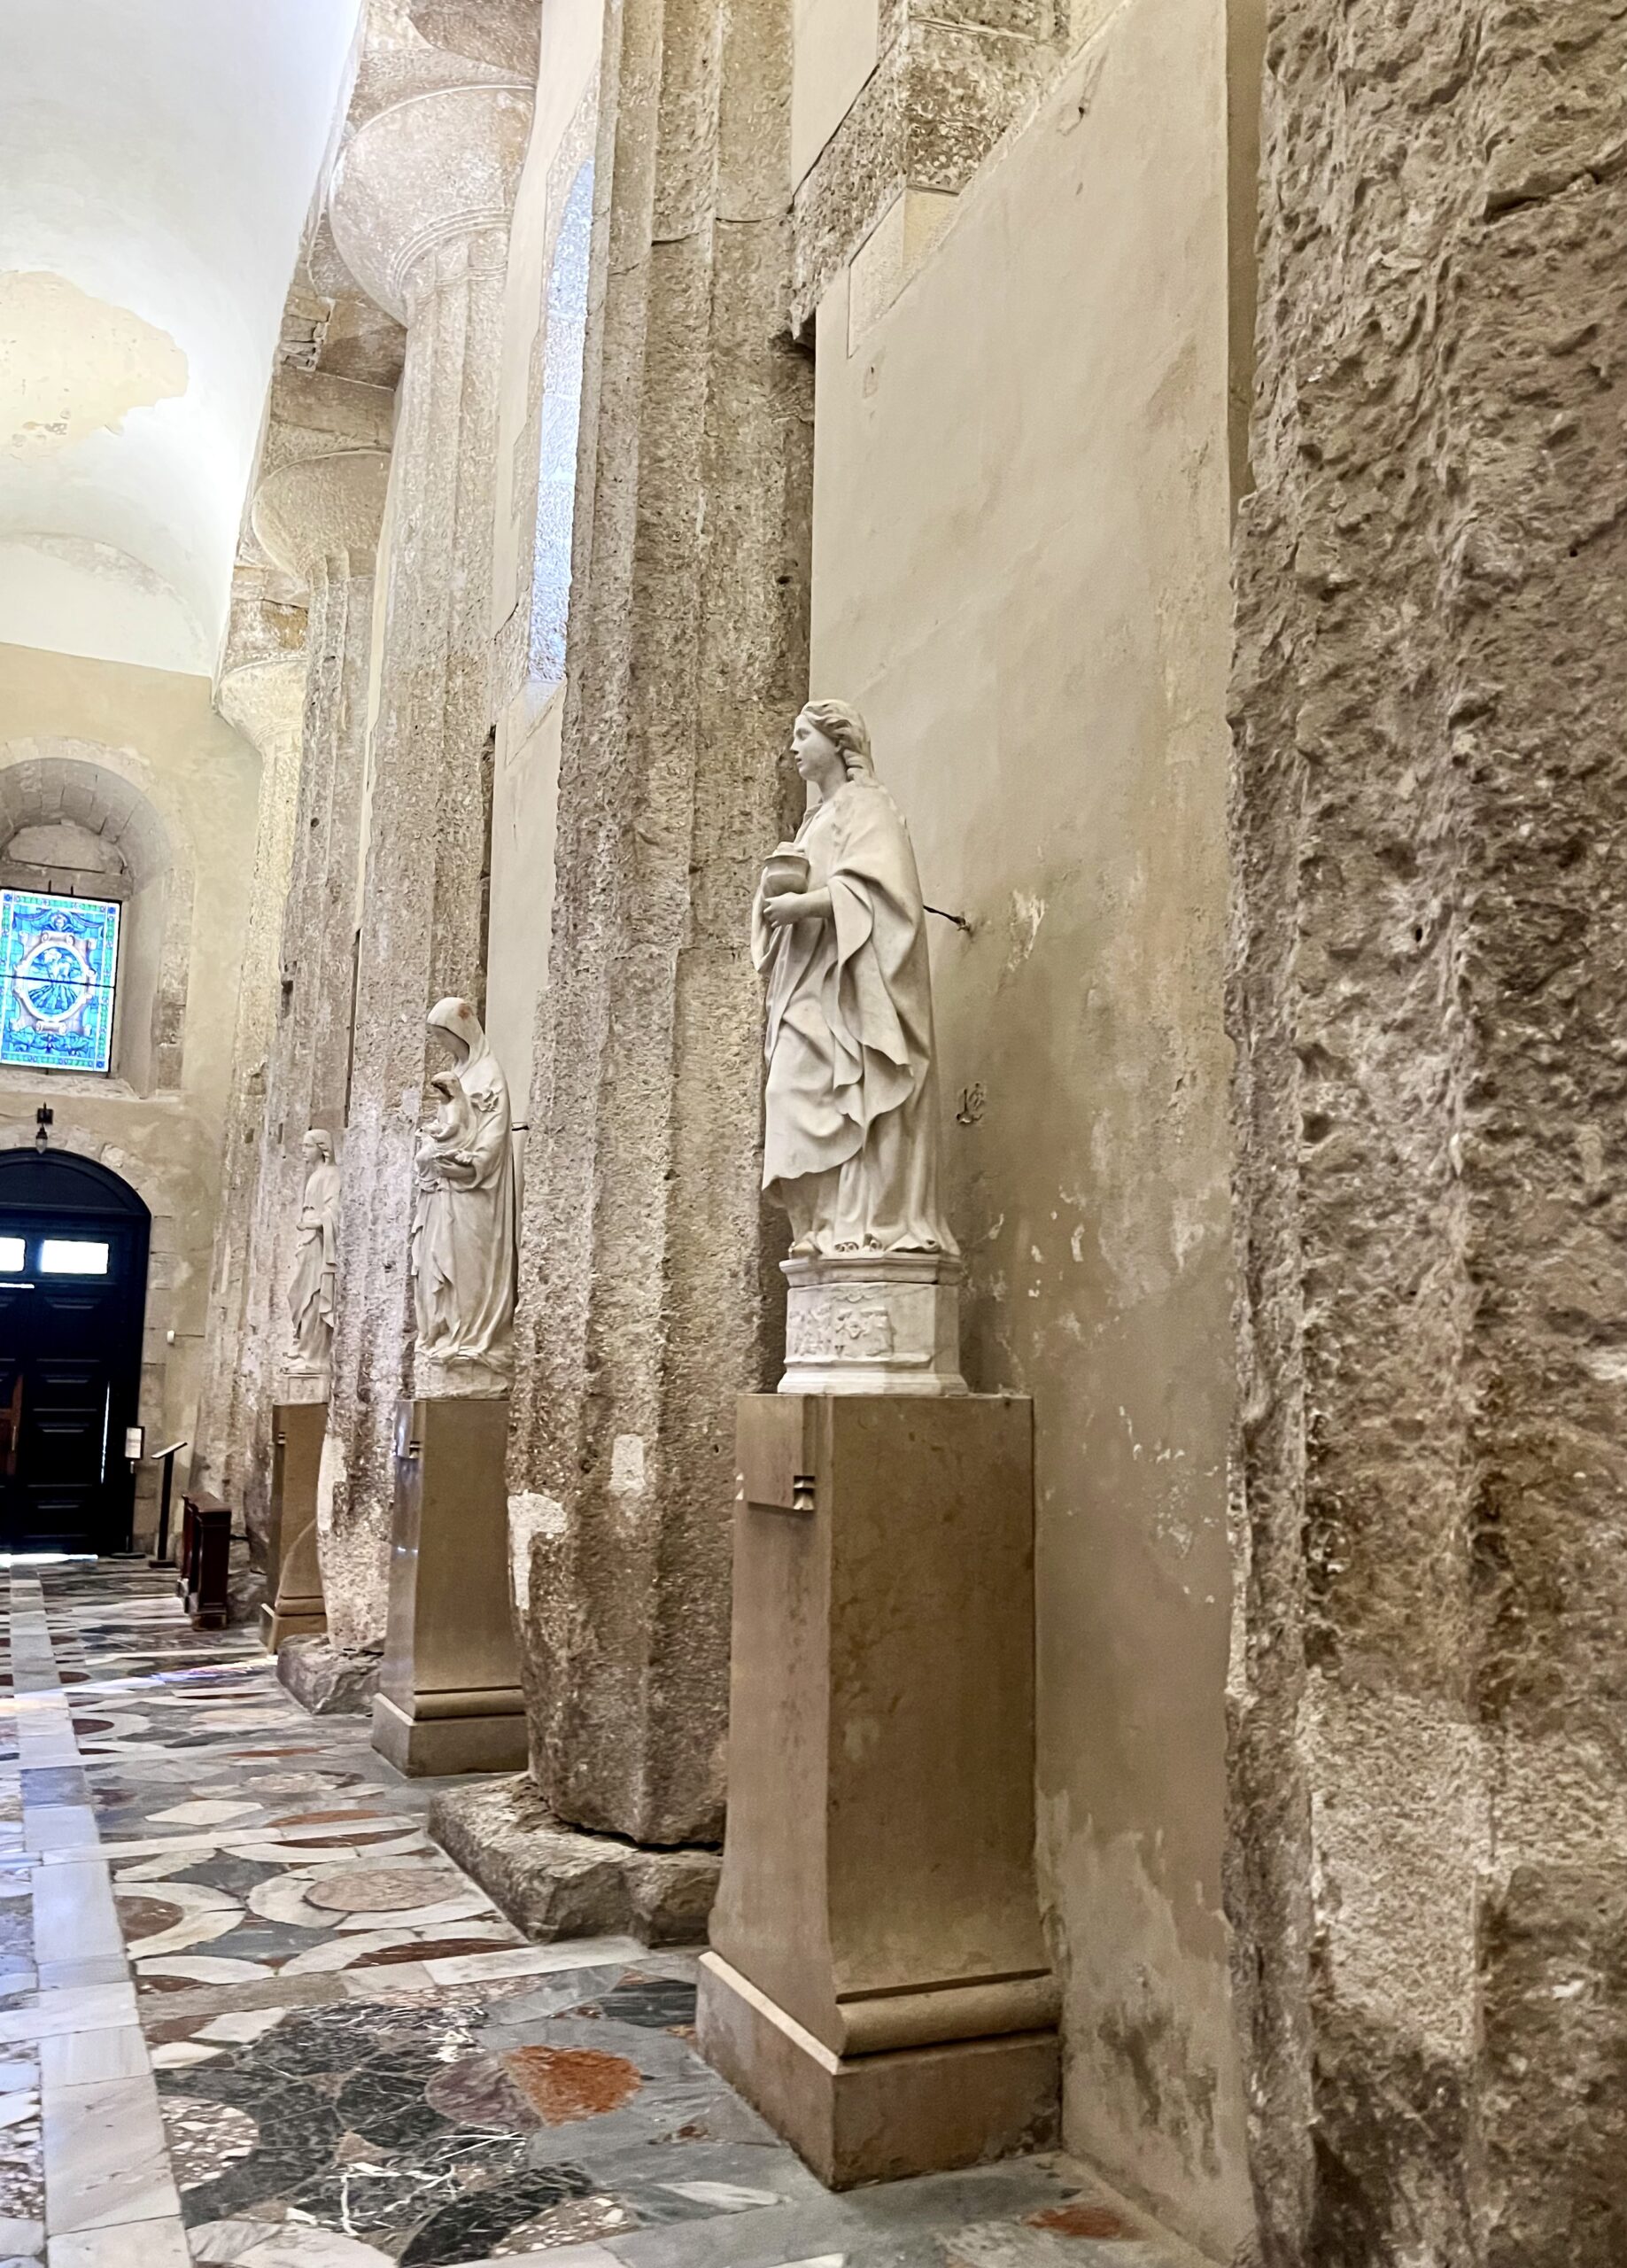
(146, 1917)
(1082, 2219)
(325, 1818)
(429, 1949)
(561, 2084)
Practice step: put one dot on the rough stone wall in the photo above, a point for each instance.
(644, 1266)
(1430, 1770)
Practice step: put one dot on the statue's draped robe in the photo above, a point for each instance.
(311, 1287)
(850, 1144)
(464, 1233)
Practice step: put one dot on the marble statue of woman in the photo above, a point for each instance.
(464, 1222)
(850, 1146)
(311, 1287)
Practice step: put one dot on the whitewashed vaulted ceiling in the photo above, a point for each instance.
(157, 158)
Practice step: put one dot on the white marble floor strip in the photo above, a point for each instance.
(110, 2196)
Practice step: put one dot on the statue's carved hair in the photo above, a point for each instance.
(845, 731)
(323, 1141)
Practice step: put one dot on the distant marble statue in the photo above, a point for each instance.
(311, 1287)
(464, 1222)
(851, 1118)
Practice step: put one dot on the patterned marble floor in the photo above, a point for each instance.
(249, 2013)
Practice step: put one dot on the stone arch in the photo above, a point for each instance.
(111, 795)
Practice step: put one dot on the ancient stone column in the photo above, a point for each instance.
(260, 690)
(1429, 1873)
(420, 208)
(319, 518)
(646, 1295)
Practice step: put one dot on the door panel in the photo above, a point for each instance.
(70, 1359)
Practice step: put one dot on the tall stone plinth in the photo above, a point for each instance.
(293, 1607)
(878, 1985)
(449, 1696)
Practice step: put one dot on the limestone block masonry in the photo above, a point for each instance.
(1429, 1865)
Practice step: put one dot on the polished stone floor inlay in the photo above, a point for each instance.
(249, 2013)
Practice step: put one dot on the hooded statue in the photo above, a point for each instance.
(464, 1219)
(311, 1288)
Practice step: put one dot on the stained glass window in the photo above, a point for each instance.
(58, 965)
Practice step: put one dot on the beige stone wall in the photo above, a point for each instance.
(158, 732)
(1020, 532)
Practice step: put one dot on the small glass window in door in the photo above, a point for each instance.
(72, 1256)
(58, 969)
(13, 1253)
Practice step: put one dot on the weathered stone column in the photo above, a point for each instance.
(420, 209)
(261, 688)
(645, 1273)
(319, 518)
(1429, 1865)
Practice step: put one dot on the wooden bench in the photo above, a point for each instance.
(205, 1558)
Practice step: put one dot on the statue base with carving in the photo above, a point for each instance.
(304, 1382)
(873, 1322)
(461, 1378)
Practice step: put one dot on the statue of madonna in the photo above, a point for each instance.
(838, 929)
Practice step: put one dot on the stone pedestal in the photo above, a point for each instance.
(293, 1607)
(878, 1985)
(449, 1696)
(872, 1323)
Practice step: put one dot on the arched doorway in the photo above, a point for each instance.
(73, 1291)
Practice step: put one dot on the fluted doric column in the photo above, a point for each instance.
(647, 1273)
(420, 210)
(260, 692)
(318, 517)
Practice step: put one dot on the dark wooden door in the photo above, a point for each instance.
(72, 1292)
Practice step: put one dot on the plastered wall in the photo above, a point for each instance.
(1021, 507)
(158, 732)
(529, 707)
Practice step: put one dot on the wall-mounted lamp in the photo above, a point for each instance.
(43, 1119)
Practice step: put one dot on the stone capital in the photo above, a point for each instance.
(322, 508)
(264, 701)
(434, 170)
